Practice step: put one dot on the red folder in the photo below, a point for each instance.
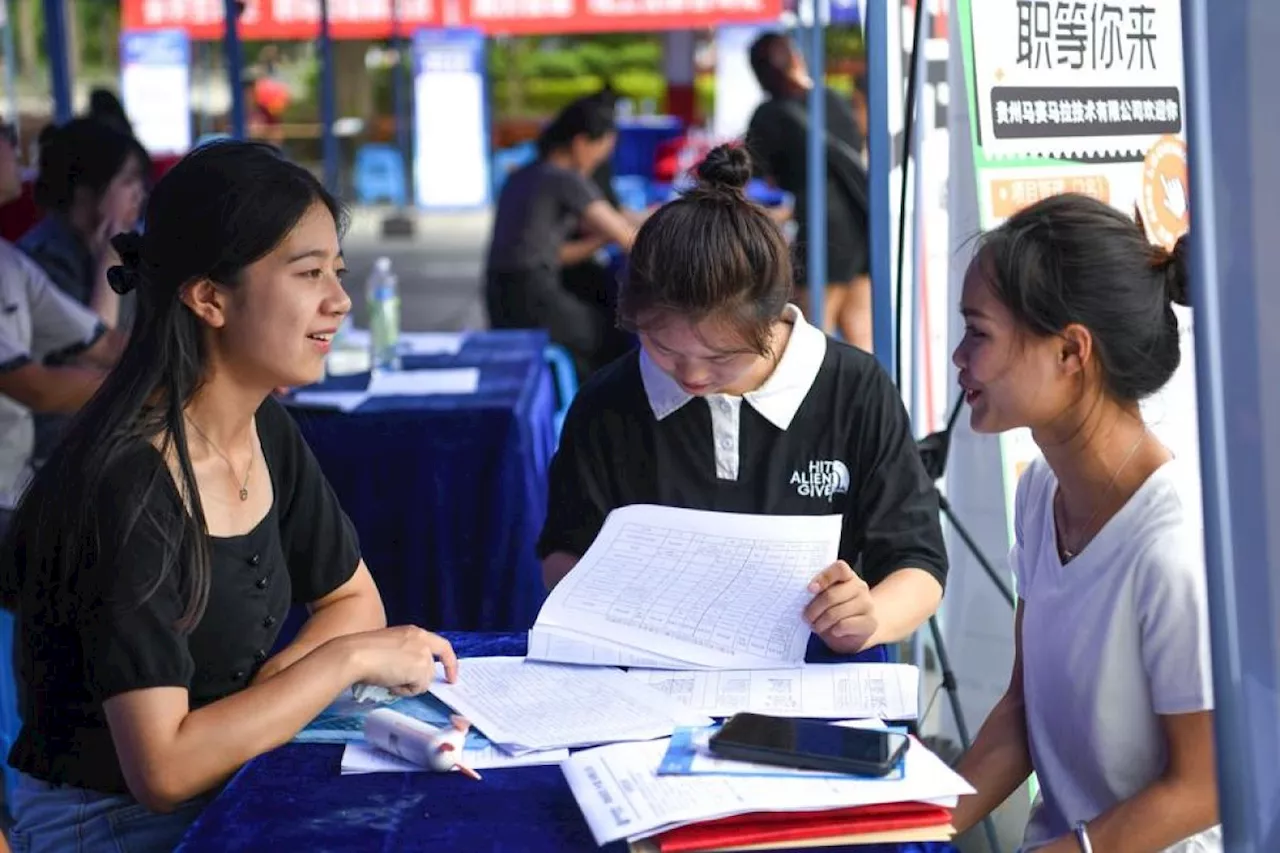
(781, 827)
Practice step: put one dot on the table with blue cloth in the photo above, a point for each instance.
(294, 798)
(448, 492)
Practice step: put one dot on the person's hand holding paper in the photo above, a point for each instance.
(843, 612)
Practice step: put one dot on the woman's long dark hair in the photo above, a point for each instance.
(223, 207)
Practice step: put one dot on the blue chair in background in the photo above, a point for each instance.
(379, 175)
(632, 191)
(10, 721)
(566, 379)
(507, 160)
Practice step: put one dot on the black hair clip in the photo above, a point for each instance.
(125, 277)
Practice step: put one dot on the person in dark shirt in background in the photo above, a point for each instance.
(594, 280)
(538, 211)
(778, 140)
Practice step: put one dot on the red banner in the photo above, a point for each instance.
(296, 20)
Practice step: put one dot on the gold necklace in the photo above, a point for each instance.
(244, 484)
(1059, 511)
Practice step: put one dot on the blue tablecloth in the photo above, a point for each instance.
(294, 798)
(449, 492)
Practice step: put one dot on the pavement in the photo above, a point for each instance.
(439, 267)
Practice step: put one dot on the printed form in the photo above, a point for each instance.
(833, 691)
(523, 706)
(690, 589)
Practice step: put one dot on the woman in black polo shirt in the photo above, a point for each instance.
(156, 554)
(734, 403)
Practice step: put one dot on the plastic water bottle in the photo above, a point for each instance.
(383, 294)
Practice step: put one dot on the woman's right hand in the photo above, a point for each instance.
(401, 659)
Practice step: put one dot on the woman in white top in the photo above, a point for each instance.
(1069, 324)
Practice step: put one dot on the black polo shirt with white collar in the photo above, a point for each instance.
(826, 434)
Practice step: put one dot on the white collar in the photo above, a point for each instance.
(778, 399)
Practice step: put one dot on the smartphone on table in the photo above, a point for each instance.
(809, 745)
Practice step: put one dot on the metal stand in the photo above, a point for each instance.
(934, 450)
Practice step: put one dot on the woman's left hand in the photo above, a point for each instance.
(842, 612)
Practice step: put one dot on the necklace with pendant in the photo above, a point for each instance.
(1065, 552)
(244, 484)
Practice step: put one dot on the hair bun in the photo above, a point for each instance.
(725, 168)
(1175, 274)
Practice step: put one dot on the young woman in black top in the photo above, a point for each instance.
(541, 207)
(155, 556)
(734, 403)
(778, 139)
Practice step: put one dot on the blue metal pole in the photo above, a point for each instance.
(1233, 129)
(921, 125)
(881, 162)
(10, 65)
(55, 34)
(817, 166)
(328, 105)
(235, 66)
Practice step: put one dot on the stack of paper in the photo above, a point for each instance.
(622, 795)
(822, 691)
(672, 588)
(523, 706)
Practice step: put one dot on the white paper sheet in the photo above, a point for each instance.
(414, 383)
(824, 691)
(432, 343)
(715, 590)
(342, 401)
(411, 343)
(359, 757)
(523, 706)
(547, 643)
(622, 796)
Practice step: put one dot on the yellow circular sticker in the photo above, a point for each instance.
(1165, 210)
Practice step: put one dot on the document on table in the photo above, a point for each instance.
(432, 343)
(701, 589)
(622, 796)
(824, 690)
(555, 644)
(342, 401)
(525, 706)
(414, 383)
(412, 343)
(360, 757)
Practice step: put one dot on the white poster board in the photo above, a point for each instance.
(737, 92)
(155, 88)
(451, 125)
(1086, 98)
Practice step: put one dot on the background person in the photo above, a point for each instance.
(778, 139)
(539, 209)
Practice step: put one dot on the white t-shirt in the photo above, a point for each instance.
(37, 322)
(1110, 641)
